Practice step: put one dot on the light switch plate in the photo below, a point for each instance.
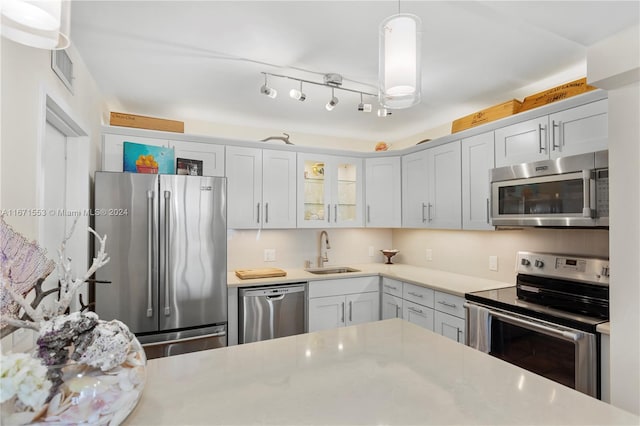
(269, 255)
(429, 255)
(370, 251)
(493, 263)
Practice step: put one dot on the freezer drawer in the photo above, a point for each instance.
(271, 312)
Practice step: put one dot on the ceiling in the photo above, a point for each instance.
(202, 60)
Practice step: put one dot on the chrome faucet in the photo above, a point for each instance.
(323, 258)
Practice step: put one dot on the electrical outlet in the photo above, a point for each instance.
(370, 251)
(493, 263)
(429, 255)
(269, 255)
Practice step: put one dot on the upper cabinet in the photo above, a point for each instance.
(477, 160)
(574, 131)
(330, 191)
(431, 185)
(211, 155)
(261, 189)
(383, 192)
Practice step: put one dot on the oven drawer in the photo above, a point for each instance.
(450, 304)
(420, 295)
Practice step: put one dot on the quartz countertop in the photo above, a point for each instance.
(449, 282)
(387, 372)
(604, 328)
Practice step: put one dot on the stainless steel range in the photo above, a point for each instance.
(546, 323)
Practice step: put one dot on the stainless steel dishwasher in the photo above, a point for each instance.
(270, 312)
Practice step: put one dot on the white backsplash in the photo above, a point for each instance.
(464, 252)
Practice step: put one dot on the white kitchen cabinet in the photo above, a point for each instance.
(605, 368)
(391, 306)
(261, 188)
(574, 131)
(580, 130)
(330, 191)
(450, 316)
(477, 161)
(113, 149)
(431, 187)
(343, 302)
(383, 186)
(418, 314)
(211, 155)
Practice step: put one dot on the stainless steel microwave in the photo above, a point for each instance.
(566, 192)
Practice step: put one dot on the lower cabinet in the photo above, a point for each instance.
(434, 310)
(343, 302)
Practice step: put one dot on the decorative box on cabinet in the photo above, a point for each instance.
(343, 302)
(330, 191)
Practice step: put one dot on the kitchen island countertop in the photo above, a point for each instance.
(387, 372)
(449, 282)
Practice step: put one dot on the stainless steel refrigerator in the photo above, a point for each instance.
(167, 241)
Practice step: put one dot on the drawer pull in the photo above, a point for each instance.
(418, 311)
(416, 294)
(390, 287)
(450, 305)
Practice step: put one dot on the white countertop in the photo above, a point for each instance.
(386, 372)
(439, 280)
(604, 328)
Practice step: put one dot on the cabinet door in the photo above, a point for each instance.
(361, 308)
(346, 192)
(450, 326)
(279, 189)
(580, 130)
(477, 161)
(414, 190)
(522, 142)
(444, 208)
(417, 314)
(326, 313)
(211, 155)
(314, 197)
(113, 151)
(244, 187)
(383, 182)
(391, 306)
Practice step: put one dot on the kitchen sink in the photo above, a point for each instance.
(335, 270)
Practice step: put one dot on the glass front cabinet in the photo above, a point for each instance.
(330, 191)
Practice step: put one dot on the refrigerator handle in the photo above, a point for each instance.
(150, 254)
(167, 233)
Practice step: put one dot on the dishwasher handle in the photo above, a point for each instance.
(275, 297)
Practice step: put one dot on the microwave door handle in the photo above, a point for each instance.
(587, 177)
(534, 326)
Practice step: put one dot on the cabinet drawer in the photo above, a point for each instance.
(392, 287)
(417, 294)
(450, 326)
(450, 304)
(418, 314)
(323, 288)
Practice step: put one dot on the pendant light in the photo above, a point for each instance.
(399, 68)
(40, 24)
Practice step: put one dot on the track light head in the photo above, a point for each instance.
(297, 94)
(364, 107)
(332, 102)
(383, 112)
(269, 91)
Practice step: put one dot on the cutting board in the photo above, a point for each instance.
(247, 274)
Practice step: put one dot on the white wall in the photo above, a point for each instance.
(614, 65)
(293, 247)
(467, 252)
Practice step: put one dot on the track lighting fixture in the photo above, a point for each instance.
(362, 106)
(383, 112)
(332, 102)
(332, 80)
(297, 94)
(269, 91)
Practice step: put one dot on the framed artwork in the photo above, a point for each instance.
(140, 158)
(186, 166)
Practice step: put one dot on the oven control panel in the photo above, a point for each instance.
(577, 268)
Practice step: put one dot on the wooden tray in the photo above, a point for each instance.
(247, 274)
(142, 122)
(556, 94)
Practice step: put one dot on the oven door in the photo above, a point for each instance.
(559, 353)
(557, 200)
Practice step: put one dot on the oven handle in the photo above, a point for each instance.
(535, 326)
